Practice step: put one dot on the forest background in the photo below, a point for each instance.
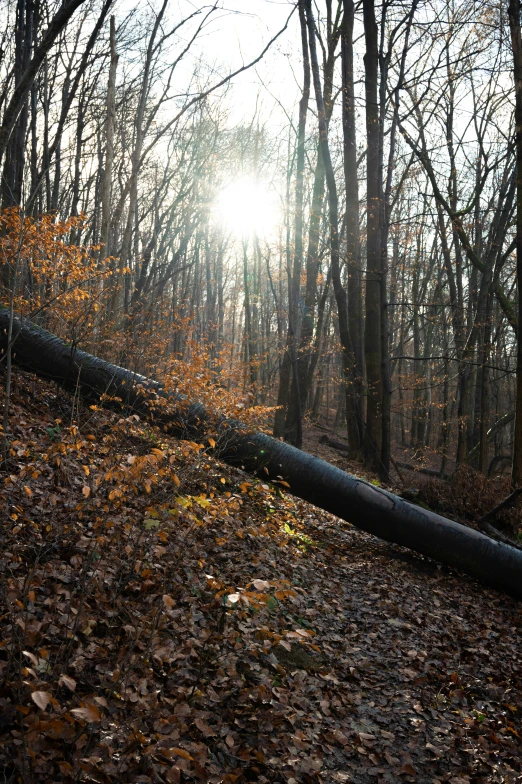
(313, 205)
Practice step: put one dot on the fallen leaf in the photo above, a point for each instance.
(66, 680)
(88, 713)
(41, 698)
(182, 753)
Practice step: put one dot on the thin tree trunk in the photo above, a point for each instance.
(372, 342)
(354, 397)
(516, 42)
(333, 209)
(110, 124)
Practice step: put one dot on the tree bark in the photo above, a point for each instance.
(372, 334)
(333, 210)
(110, 123)
(25, 38)
(23, 86)
(354, 400)
(516, 43)
(367, 507)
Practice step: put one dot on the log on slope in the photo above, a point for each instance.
(369, 508)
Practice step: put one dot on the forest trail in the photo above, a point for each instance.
(170, 619)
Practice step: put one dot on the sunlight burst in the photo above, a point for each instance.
(247, 207)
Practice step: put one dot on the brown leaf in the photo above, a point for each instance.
(204, 728)
(66, 680)
(88, 713)
(41, 698)
(182, 753)
(32, 657)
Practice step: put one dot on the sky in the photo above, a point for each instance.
(236, 36)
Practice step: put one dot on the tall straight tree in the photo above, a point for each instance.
(372, 334)
(109, 145)
(516, 43)
(290, 357)
(312, 312)
(333, 205)
(354, 397)
(25, 38)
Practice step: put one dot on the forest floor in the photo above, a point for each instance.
(167, 618)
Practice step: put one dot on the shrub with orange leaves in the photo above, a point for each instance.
(44, 271)
(217, 384)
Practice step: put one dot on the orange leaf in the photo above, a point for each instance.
(168, 601)
(86, 491)
(212, 443)
(181, 753)
(28, 491)
(88, 713)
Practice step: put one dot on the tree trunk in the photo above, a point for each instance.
(19, 96)
(516, 42)
(294, 426)
(372, 334)
(333, 210)
(355, 396)
(110, 123)
(370, 508)
(25, 37)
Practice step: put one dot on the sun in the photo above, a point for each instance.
(247, 207)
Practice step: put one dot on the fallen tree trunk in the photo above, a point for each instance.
(358, 502)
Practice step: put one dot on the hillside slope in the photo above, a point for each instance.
(166, 618)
